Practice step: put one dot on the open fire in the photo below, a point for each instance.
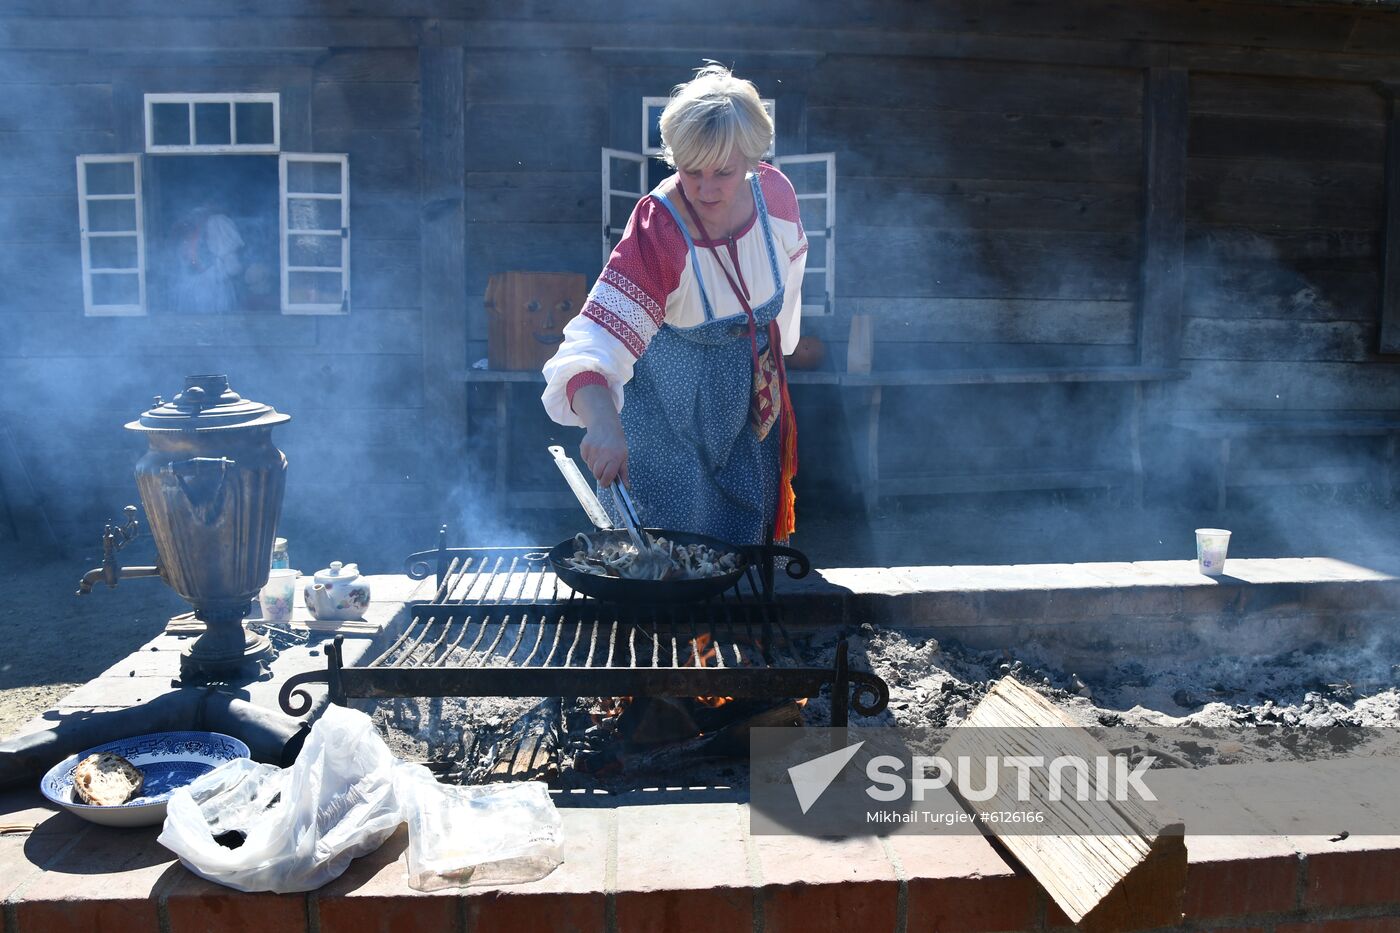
(665, 681)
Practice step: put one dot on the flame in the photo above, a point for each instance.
(703, 652)
(607, 708)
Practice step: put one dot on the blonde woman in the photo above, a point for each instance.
(674, 367)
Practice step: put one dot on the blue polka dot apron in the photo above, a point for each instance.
(694, 463)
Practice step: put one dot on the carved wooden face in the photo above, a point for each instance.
(547, 319)
(528, 311)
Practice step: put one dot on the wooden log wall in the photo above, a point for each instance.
(1285, 205)
(1001, 203)
(354, 384)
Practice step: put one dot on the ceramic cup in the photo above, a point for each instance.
(1211, 545)
(277, 595)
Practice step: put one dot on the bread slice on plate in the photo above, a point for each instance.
(106, 780)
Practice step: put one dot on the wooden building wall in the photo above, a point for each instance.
(1020, 185)
(354, 384)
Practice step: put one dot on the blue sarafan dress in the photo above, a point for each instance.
(663, 330)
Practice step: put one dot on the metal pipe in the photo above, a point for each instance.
(270, 736)
(111, 579)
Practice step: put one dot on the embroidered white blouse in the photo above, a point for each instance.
(650, 280)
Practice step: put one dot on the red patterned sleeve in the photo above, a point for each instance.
(782, 205)
(629, 298)
(585, 378)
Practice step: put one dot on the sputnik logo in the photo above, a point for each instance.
(811, 778)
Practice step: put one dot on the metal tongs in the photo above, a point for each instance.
(629, 517)
(587, 498)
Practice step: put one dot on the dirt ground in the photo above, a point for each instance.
(55, 640)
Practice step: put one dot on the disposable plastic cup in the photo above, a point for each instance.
(277, 595)
(1211, 545)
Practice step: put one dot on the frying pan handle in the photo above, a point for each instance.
(797, 564)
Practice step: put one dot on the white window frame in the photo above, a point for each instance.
(609, 192)
(769, 104)
(342, 306)
(828, 267)
(232, 147)
(86, 236)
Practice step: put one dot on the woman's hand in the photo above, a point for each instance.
(604, 446)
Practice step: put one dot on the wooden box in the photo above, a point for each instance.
(526, 313)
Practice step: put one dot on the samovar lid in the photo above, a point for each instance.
(206, 404)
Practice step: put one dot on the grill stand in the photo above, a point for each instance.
(454, 645)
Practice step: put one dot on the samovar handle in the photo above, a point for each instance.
(202, 481)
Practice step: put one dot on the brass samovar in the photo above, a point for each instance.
(212, 485)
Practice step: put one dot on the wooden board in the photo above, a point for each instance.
(1235, 136)
(368, 64)
(989, 204)
(60, 106)
(1390, 260)
(382, 162)
(526, 137)
(366, 105)
(1299, 194)
(872, 141)
(1276, 386)
(1114, 864)
(904, 262)
(534, 197)
(1253, 289)
(527, 312)
(443, 258)
(1164, 220)
(497, 247)
(997, 87)
(384, 273)
(1330, 249)
(1286, 97)
(1342, 341)
(997, 320)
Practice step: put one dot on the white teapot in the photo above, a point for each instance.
(337, 593)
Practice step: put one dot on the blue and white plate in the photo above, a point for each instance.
(167, 760)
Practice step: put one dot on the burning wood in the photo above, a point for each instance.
(529, 751)
(656, 732)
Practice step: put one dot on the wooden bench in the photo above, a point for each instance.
(863, 394)
(1224, 431)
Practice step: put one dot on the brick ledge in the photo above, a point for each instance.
(700, 870)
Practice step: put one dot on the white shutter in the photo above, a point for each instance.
(112, 234)
(624, 184)
(814, 179)
(314, 222)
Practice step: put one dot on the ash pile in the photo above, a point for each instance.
(1310, 698)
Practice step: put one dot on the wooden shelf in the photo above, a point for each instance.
(917, 377)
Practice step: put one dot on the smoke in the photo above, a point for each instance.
(988, 218)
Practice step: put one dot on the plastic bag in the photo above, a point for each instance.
(257, 827)
(461, 835)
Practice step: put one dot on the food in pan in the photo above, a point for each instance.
(664, 560)
(106, 780)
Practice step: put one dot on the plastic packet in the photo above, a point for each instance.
(464, 835)
(257, 827)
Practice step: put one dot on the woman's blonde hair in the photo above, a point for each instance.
(710, 116)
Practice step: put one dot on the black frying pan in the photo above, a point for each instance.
(619, 590)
